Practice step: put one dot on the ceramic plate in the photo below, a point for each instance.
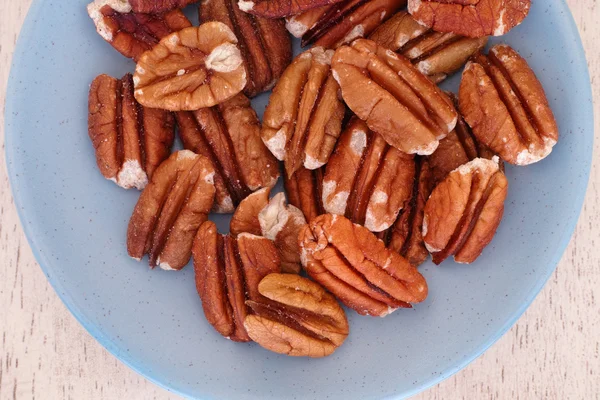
(152, 320)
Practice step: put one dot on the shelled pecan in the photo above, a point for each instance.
(304, 116)
(229, 135)
(301, 318)
(156, 6)
(393, 97)
(435, 54)
(354, 265)
(196, 67)
(280, 8)
(264, 43)
(304, 191)
(504, 103)
(130, 140)
(170, 210)
(132, 32)
(472, 18)
(464, 211)
(334, 25)
(366, 179)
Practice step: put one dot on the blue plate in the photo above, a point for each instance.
(152, 320)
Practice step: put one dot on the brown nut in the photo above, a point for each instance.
(357, 268)
(405, 235)
(472, 18)
(464, 211)
(366, 179)
(156, 6)
(194, 68)
(264, 43)
(245, 217)
(304, 191)
(130, 140)
(229, 135)
(435, 54)
(394, 99)
(341, 23)
(505, 105)
(228, 270)
(281, 8)
(304, 116)
(301, 319)
(133, 33)
(170, 210)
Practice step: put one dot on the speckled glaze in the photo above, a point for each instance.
(76, 221)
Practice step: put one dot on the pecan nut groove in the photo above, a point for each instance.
(304, 191)
(353, 264)
(130, 140)
(170, 210)
(504, 103)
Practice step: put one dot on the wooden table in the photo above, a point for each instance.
(553, 352)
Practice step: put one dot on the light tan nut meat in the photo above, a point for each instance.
(366, 179)
(229, 135)
(130, 140)
(301, 319)
(394, 99)
(464, 211)
(264, 43)
(504, 103)
(194, 68)
(354, 265)
(304, 116)
(228, 270)
(435, 54)
(304, 191)
(170, 210)
(472, 18)
(132, 33)
(280, 8)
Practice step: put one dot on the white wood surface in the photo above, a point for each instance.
(553, 352)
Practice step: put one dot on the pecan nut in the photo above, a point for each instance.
(301, 319)
(245, 217)
(505, 105)
(130, 140)
(472, 18)
(229, 135)
(228, 270)
(435, 54)
(464, 211)
(394, 99)
(194, 68)
(132, 33)
(281, 8)
(341, 23)
(264, 43)
(304, 191)
(304, 116)
(354, 265)
(170, 210)
(366, 179)
(156, 6)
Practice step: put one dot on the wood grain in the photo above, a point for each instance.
(553, 352)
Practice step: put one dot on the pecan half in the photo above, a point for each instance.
(245, 217)
(393, 97)
(301, 319)
(281, 8)
(156, 6)
(228, 271)
(304, 116)
(130, 140)
(435, 54)
(505, 105)
(304, 191)
(472, 18)
(170, 210)
(194, 68)
(357, 268)
(464, 211)
(264, 43)
(366, 179)
(229, 135)
(341, 23)
(133, 33)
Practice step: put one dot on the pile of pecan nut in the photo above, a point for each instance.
(381, 167)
